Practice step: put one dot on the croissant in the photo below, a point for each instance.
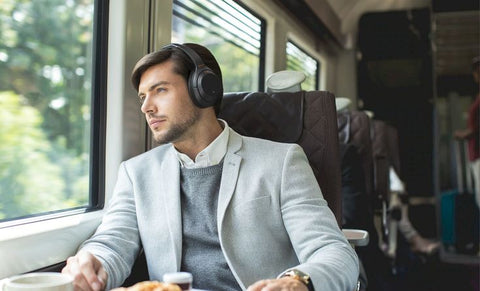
(150, 286)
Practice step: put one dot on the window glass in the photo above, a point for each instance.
(298, 60)
(45, 105)
(230, 32)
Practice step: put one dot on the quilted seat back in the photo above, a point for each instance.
(307, 118)
(354, 127)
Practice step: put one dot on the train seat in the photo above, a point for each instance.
(381, 161)
(370, 138)
(306, 118)
(381, 166)
(354, 128)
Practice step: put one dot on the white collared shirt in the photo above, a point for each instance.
(209, 156)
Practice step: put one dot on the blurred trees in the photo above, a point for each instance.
(45, 81)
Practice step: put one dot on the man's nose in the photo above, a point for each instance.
(147, 105)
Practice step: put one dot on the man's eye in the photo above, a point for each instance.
(141, 99)
(160, 89)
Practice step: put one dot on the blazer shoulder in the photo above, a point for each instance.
(145, 158)
(269, 147)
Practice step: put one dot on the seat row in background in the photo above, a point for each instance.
(383, 208)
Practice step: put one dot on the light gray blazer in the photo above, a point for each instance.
(271, 216)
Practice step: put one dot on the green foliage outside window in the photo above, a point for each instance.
(45, 80)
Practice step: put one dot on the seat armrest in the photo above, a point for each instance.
(356, 237)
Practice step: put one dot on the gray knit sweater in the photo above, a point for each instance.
(201, 252)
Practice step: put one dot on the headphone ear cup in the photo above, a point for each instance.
(205, 87)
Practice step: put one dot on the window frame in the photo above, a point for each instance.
(98, 125)
(263, 41)
(318, 63)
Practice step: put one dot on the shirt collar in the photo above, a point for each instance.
(209, 156)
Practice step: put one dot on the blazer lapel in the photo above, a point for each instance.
(171, 195)
(231, 166)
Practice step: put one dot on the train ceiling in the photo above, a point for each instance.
(455, 25)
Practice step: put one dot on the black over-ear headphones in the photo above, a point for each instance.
(204, 86)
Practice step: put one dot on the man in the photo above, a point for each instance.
(234, 211)
(472, 132)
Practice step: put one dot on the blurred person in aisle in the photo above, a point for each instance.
(472, 133)
(418, 243)
(399, 199)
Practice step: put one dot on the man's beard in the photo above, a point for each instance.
(177, 130)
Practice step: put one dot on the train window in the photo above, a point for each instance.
(234, 34)
(46, 89)
(299, 60)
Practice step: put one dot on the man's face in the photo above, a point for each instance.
(167, 106)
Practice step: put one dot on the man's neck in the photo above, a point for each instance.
(199, 138)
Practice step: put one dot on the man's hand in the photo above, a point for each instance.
(87, 272)
(282, 284)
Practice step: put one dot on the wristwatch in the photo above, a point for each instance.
(300, 276)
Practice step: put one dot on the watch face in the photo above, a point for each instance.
(299, 275)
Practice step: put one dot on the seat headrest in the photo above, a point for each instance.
(277, 116)
(285, 81)
(342, 103)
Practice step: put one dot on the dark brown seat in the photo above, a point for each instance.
(381, 160)
(369, 136)
(385, 150)
(306, 118)
(354, 127)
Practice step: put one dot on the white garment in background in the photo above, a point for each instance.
(397, 187)
(475, 166)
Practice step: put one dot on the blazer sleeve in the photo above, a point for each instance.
(320, 245)
(116, 241)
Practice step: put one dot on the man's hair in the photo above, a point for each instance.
(183, 65)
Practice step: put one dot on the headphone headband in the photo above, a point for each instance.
(196, 59)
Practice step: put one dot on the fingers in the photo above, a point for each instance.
(90, 267)
(87, 272)
(282, 284)
(102, 277)
(73, 269)
(257, 286)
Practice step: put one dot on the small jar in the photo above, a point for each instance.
(182, 279)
